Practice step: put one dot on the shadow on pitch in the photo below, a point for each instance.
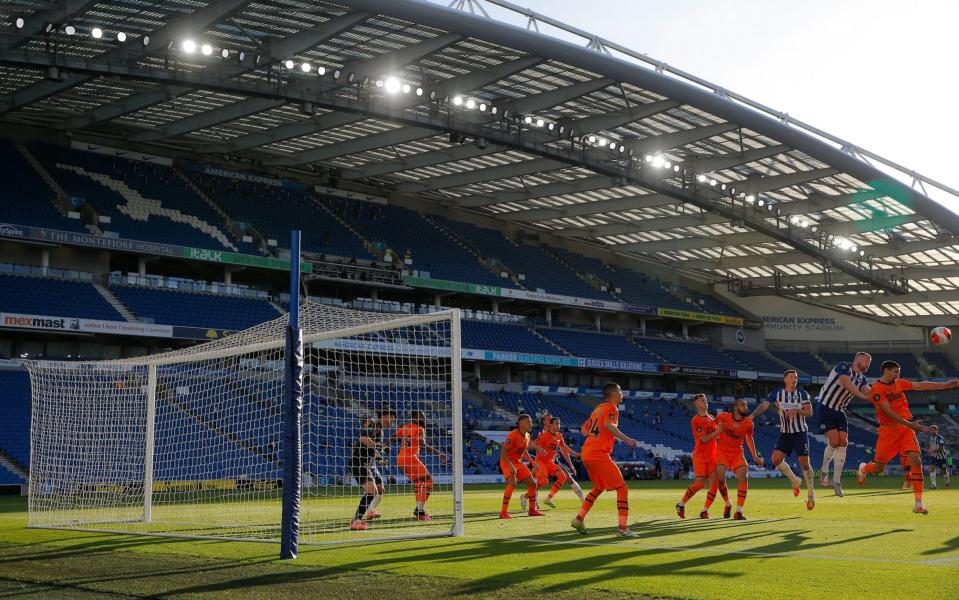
(947, 546)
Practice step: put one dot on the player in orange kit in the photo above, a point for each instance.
(551, 440)
(601, 433)
(512, 452)
(737, 428)
(897, 434)
(412, 436)
(705, 431)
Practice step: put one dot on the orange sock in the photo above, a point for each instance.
(560, 480)
(741, 494)
(506, 496)
(870, 468)
(622, 505)
(710, 496)
(588, 502)
(724, 490)
(691, 491)
(916, 473)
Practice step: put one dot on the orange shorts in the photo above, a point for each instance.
(603, 472)
(412, 466)
(731, 460)
(547, 469)
(522, 471)
(703, 466)
(893, 440)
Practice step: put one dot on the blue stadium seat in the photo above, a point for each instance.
(907, 360)
(541, 269)
(598, 345)
(28, 200)
(15, 415)
(804, 361)
(942, 361)
(110, 185)
(689, 354)
(275, 211)
(431, 251)
(170, 307)
(756, 361)
(54, 297)
(504, 337)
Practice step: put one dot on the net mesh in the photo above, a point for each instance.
(215, 469)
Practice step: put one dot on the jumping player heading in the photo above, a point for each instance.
(897, 433)
(845, 382)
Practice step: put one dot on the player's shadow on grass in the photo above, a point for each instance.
(882, 493)
(85, 547)
(947, 546)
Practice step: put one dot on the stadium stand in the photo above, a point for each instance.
(756, 361)
(804, 361)
(907, 360)
(54, 297)
(275, 211)
(171, 307)
(504, 337)
(597, 345)
(639, 288)
(689, 354)
(541, 270)
(28, 198)
(15, 418)
(943, 362)
(148, 202)
(404, 230)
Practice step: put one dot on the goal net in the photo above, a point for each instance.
(189, 443)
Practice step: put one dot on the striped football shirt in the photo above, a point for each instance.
(939, 450)
(786, 400)
(832, 394)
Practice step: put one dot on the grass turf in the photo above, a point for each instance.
(867, 544)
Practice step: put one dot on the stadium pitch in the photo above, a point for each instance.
(867, 544)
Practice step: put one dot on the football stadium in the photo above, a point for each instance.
(401, 299)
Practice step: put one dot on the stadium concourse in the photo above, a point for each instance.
(595, 215)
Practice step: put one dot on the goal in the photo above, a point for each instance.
(190, 442)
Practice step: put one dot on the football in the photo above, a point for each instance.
(940, 336)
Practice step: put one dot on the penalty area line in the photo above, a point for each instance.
(718, 552)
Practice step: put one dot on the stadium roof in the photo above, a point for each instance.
(587, 141)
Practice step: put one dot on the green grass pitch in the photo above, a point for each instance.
(866, 545)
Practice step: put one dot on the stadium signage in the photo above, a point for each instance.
(76, 325)
(698, 316)
(560, 361)
(103, 242)
(246, 260)
(71, 324)
(238, 176)
(500, 292)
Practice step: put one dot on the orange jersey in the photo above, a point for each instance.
(892, 392)
(599, 441)
(549, 442)
(410, 436)
(516, 444)
(701, 426)
(734, 432)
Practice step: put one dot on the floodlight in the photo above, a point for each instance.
(188, 46)
(392, 85)
(206, 49)
(306, 67)
(96, 32)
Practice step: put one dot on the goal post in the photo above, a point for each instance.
(190, 442)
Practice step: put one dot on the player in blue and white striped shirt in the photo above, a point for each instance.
(845, 382)
(794, 406)
(939, 453)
